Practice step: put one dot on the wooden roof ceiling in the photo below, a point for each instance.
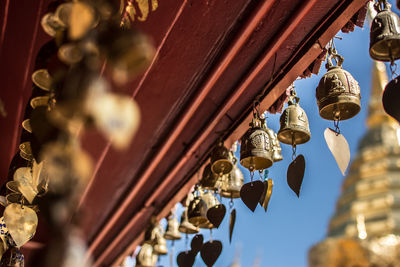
(212, 59)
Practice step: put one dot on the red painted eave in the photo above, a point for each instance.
(212, 60)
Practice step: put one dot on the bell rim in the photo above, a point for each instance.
(230, 194)
(302, 135)
(267, 162)
(386, 58)
(227, 162)
(172, 237)
(331, 103)
(185, 230)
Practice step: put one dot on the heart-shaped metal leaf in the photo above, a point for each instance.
(295, 174)
(26, 184)
(232, 220)
(390, 98)
(211, 251)
(197, 243)
(265, 197)
(186, 258)
(21, 222)
(117, 116)
(250, 194)
(216, 214)
(339, 147)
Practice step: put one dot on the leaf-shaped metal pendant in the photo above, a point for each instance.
(339, 147)
(250, 194)
(216, 214)
(390, 98)
(211, 251)
(295, 174)
(21, 222)
(265, 197)
(26, 184)
(197, 243)
(232, 220)
(186, 259)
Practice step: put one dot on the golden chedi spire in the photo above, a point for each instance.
(376, 114)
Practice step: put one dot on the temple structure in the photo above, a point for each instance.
(365, 229)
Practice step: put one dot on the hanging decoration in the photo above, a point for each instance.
(294, 130)
(385, 33)
(338, 98)
(266, 195)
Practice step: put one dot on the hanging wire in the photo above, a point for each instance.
(211, 236)
(231, 203)
(294, 147)
(336, 124)
(393, 69)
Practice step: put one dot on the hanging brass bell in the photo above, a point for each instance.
(209, 178)
(385, 33)
(172, 232)
(255, 149)
(197, 211)
(294, 128)
(185, 226)
(221, 160)
(160, 246)
(276, 146)
(231, 183)
(338, 93)
(146, 257)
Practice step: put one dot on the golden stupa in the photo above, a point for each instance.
(365, 229)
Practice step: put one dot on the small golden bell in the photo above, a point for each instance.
(197, 211)
(209, 178)
(276, 146)
(231, 183)
(255, 149)
(172, 232)
(160, 246)
(146, 257)
(185, 226)
(294, 128)
(221, 160)
(385, 33)
(338, 93)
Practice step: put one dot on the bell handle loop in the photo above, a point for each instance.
(333, 55)
(294, 147)
(382, 5)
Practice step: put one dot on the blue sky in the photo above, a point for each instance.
(282, 236)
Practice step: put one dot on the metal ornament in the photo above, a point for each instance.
(266, 195)
(160, 246)
(21, 222)
(13, 257)
(209, 178)
(146, 257)
(40, 101)
(295, 174)
(231, 183)
(294, 128)
(186, 259)
(251, 194)
(197, 243)
(221, 160)
(197, 210)
(216, 214)
(255, 149)
(25, 151)
(339, 147)
(26, 184)
(211, 251)
(116, 116)
(26, 124)
(338, 93)
(232, 220)
(385, 33)
(172, 232)
(390, 98)
(276, 147)
(42, 79)
(211, 202)
(185, 226)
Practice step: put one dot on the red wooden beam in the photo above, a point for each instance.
(291, 75)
